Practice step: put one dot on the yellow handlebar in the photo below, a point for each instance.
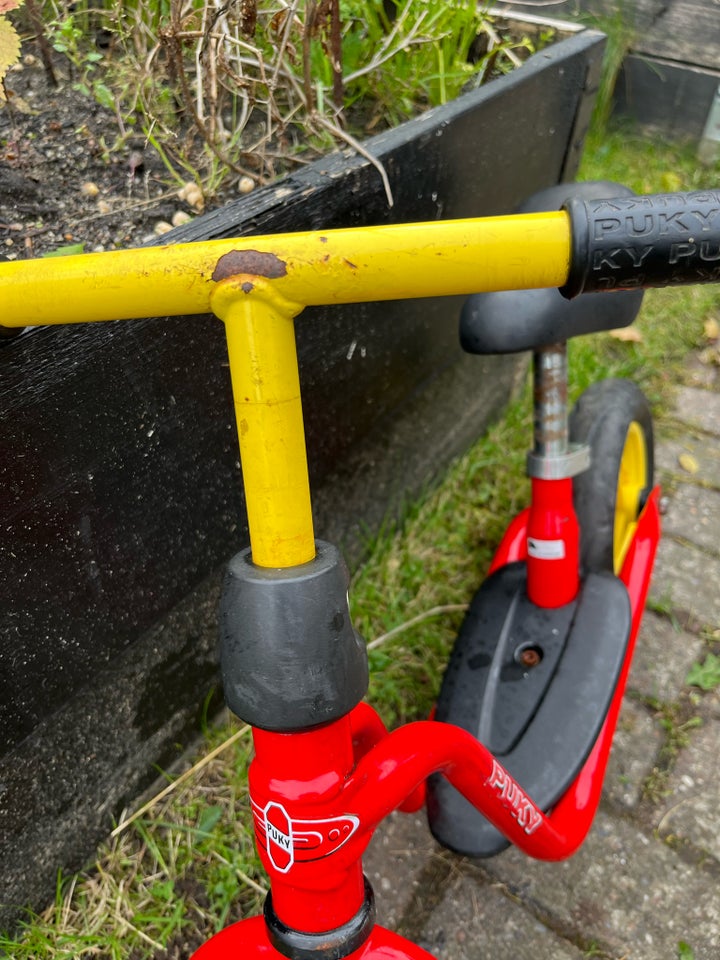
(337, 266)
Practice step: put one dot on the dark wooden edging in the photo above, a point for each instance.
(672, 71)
(122, 495)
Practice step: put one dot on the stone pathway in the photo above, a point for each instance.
(647, 879)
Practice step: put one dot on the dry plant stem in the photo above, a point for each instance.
(199, 74)
(259, 888)
(432, 612)
(175, 51)
(336, 54)
(172, 39)
(324, 18)
(143, 936)
(42, 41)
(310, 17)
(359, 148)
(203, 762)
(496, 42)
(282, 48)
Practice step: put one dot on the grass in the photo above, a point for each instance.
(186, 866)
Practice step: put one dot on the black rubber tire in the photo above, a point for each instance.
(602, 418)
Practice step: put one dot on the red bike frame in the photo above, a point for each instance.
(318, 796)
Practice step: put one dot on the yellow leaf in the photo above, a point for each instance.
(9, 48)
(688, 462)
(712, 329)
(20, 105)
(627, 335)
(710, 356)
(671, 182)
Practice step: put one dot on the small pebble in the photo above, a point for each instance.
(192, 195)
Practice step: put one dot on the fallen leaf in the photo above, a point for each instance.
(627, 335)
(22, 106)
(710, 356)
(71, 250)
(671, 182)
(9, 42)
(688, 462)
(712, 329)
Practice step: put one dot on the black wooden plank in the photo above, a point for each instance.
(603, 14)
(684, 31)
(668, 97)
(672, 71)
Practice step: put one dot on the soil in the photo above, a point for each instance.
(73, 179)
(67, 177)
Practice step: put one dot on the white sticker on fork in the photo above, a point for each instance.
(546, 549)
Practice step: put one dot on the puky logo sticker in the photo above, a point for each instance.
(521, 806)
(288, 841)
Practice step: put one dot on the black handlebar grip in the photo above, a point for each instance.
(652, 241)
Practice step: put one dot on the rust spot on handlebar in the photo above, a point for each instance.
(253, 262)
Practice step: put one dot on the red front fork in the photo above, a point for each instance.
(552, 539)
(318, 796)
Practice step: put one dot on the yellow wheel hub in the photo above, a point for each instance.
(632, 480)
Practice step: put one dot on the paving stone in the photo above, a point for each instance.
(707, 458)
(693, 806)
(636, 743)
(399, 857)
(703, 374)
(629, 892)
(689, 579)
(663, 656)
(693, 513)
(476, 920)
(700, 408)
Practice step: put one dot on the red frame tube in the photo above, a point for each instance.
(553, 544)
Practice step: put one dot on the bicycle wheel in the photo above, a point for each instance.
(613, 418)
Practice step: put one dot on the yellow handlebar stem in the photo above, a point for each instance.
(266, 393)
(257, 285)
